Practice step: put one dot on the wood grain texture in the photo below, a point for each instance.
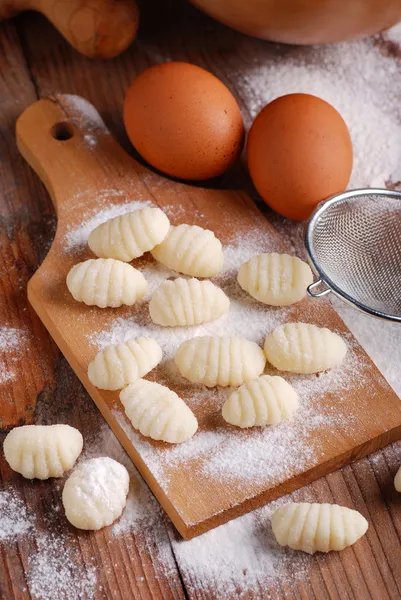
(81, 177)
(44, 389)
(172, 29)
(97, 28)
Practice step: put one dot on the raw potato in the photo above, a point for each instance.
(187, 302)
(191, 250)
(106, 282)
(317, 527)
(263, 401)
(95, 493)
(117, 366)
(131, 235)
(42, 451)
(220, 360)
(304, 348)
(275, 279)
(157, 412)
(397, 480)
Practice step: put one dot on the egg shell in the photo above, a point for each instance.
(184, 121)
(299, 153)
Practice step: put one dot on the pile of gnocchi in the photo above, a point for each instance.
(95, 493)
(226, 361)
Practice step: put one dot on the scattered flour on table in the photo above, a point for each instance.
(53, 573)
(239, 558)
(15, 520)
(11, 340)
(142, 515)
(240, 554)
(6, 375)
(141, 508)
(358, 78)
(77, 237)
(393, 34)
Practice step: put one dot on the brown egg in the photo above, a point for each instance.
(183, 121)
(299, 153)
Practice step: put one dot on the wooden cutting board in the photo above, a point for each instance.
(222, 472)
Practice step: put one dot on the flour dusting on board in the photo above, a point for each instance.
(267, 455)
(77, 237)
(263, 455)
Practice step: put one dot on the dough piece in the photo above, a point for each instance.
(116, 366)
(263, 401)
(317, 527)
(215, 360)
(275, 279)
(187, 302)
(304, 348)
(191, 250)
(42, 451)
(129, 236)
(158, 412)
(95, 493)
(106, 282)
(397, 480)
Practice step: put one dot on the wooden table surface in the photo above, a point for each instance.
(146, 559)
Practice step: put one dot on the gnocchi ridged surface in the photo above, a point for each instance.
(263, 401)
(95, 494)
(397, 480)
(158, 412)
(131, 235)
(275, 279)
(317, 527)
(106, 282)
(191, 250)
(119, 365)
(42, 451)
(220, 360)
(304, 348)
(184, 302)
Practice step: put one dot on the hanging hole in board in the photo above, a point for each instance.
(62, 131)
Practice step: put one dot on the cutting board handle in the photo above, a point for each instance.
(65, 141)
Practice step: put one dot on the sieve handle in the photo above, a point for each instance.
(315, 284)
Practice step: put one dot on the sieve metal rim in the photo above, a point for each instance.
(324, 280)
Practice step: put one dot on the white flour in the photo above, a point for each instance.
(53, 571)
(77, 238)
(234, 559)
(239, 558)
(11, 340)
(268, 454)
(15, 521)
(6, 375)
(357, 78)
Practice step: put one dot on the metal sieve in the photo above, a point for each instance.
(353, 242)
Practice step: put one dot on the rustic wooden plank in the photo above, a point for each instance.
(24, 223)
(183, 33)
(77, 176)
(108, 565)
